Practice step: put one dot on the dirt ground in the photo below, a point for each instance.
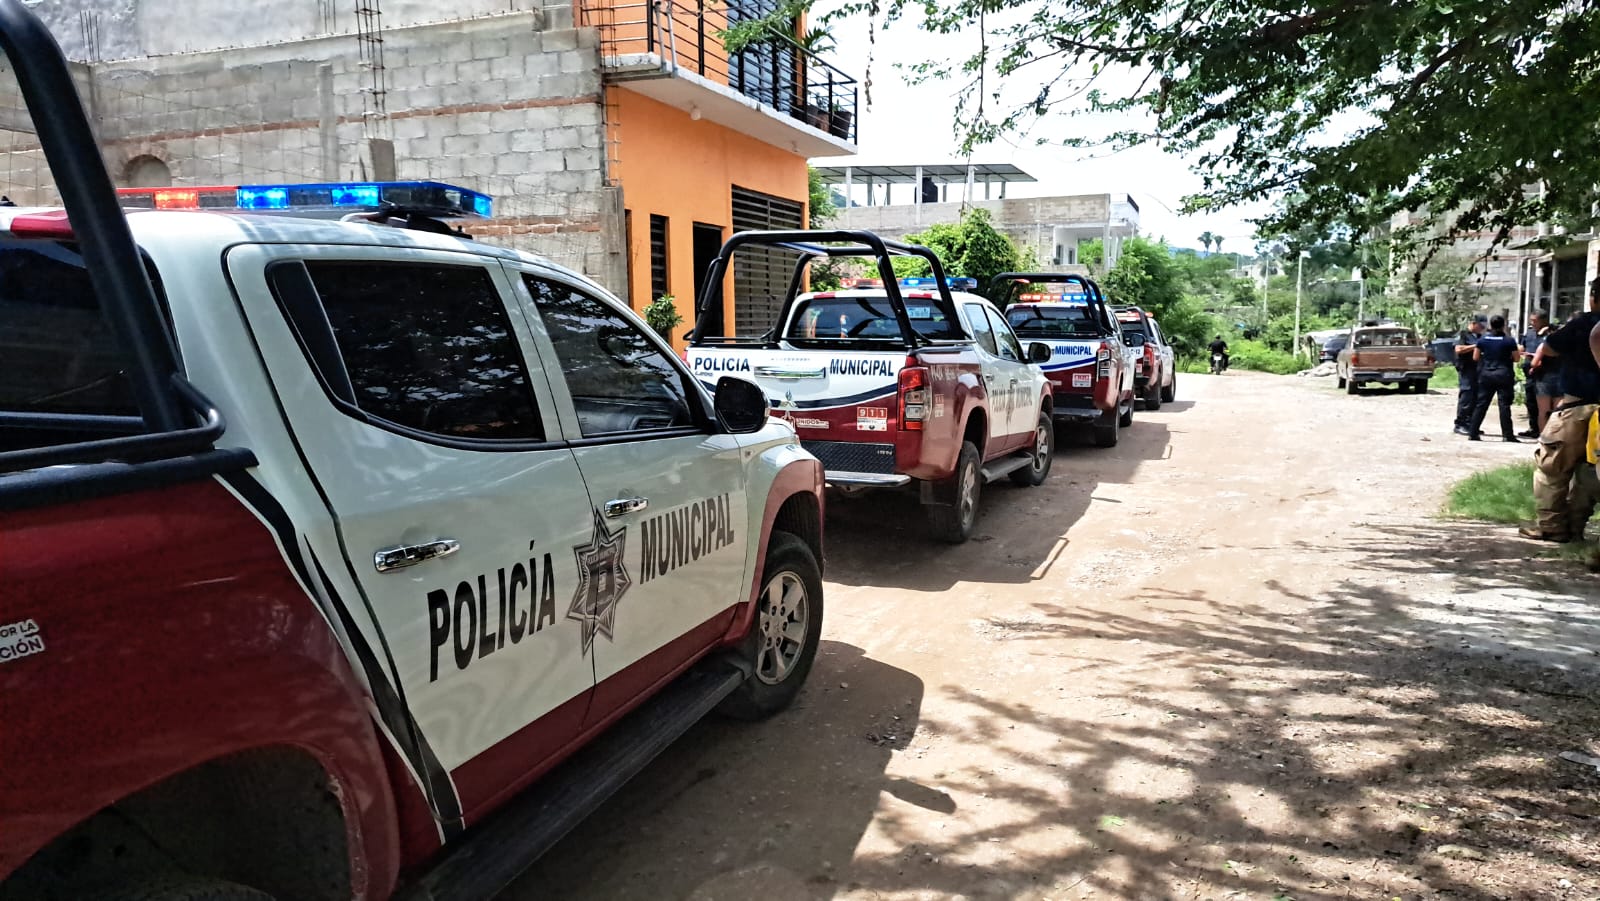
(1239, 656)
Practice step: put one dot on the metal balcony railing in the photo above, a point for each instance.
(778, 72)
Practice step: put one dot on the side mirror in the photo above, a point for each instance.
(741, 405)
(1038, 352)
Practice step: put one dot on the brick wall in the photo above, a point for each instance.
(497, 104)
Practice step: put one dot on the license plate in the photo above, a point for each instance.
(1393, 375)
(1082, 379)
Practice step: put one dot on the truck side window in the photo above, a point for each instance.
(620, 382)
(59, 356)
(429, 347)
(981, 330)
(1010, 347)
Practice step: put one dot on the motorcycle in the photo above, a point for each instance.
(1219, 363)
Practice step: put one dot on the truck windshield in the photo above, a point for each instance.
(1057, 321)
(866, 319)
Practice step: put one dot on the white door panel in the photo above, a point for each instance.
(669, 489)
(481, 638)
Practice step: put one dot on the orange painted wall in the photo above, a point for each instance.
(670, 165)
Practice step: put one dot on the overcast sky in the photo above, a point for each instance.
(911, 126)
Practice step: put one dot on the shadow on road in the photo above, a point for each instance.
(1314, 759)
(791, 795)
(881, 539)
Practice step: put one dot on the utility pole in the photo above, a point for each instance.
(1361, 302)
(1299, 285)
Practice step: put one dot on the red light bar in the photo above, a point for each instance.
(204, 197)
(53, 224)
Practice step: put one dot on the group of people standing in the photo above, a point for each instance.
(1562, 394)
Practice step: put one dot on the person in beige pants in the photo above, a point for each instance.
(1565, 487)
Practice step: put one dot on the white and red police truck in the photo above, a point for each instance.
(890, 384)
(323, 542)
(1091, 369)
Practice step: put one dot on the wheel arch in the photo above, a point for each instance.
(271, 818)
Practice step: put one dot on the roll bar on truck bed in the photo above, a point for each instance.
(168, 404)
(811, 246)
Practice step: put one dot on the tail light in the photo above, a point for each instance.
(913, 395)
(1355, 359)
(1102, 366)
(1150, 357)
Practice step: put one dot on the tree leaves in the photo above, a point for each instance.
(1335, 111)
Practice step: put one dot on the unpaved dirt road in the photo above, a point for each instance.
(1237, 656)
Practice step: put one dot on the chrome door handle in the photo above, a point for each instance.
(622, 506)
(778, 372)
(389, 559)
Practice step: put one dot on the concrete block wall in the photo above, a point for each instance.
(497, 104)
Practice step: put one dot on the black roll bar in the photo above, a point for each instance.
(1000, 288)
(120, 282)
(813, 245)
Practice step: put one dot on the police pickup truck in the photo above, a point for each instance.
(1090, 368)
(894, 384)
(324, 542)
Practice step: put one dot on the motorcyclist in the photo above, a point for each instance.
(1220, 346)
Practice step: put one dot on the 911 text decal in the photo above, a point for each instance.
(682, 536)
(478, 629)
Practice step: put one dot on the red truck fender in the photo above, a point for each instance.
(216, 652)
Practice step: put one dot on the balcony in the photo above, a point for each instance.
(776, 91)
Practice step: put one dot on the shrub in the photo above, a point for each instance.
(1258, 356)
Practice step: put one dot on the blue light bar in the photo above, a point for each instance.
(427, 198)
(959, 283)
(256, 197)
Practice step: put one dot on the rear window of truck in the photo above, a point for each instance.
(1061, 321)
(57, 354)
(1388, 337)
(866, 319)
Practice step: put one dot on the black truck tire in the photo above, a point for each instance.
(1108, 430)
(1152, 398)
(784, 633)
(1170, 393)
(1043, 452)
(953, 524)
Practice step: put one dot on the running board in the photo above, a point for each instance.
(1005, 466)
(492, 855)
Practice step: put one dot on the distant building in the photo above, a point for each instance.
(1538, 267)
(896, 201)
(617, 138)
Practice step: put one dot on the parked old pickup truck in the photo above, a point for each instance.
(890, 387)
(1384, 354)
(323, 543)
(1091, 375)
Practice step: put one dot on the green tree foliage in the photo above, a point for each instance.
(820, 210)
(972, 247)
(1148, 275)
(1145, 275)
(1337, 111)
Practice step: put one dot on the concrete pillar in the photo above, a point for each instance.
(916, 196)
(849, 175)
(328, 124)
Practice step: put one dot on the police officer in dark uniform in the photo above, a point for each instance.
(1467, 374)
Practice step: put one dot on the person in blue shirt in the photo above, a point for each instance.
(1495, 354)
(1540, 389)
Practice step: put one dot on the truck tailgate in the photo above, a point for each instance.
(828, 396)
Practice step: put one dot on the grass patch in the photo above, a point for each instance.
(1496, 495)
(1194, 364)
(1261, 358)
(1444, 377)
